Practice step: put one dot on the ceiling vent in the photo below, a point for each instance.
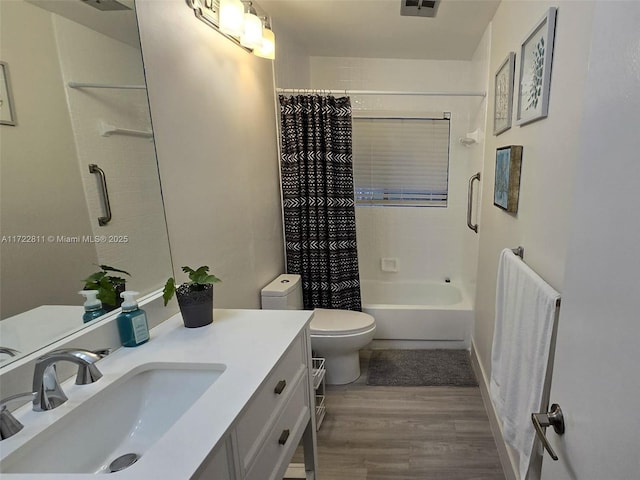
(419, 8)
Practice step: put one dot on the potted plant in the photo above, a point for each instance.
(195, 297)
(109, 287)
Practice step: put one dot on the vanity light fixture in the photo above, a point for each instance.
(252, 33)
(231, 17)
(238, 21)
(268, 47)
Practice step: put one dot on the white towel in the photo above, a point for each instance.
(525, 312)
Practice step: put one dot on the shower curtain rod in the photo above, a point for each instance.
(294, 91)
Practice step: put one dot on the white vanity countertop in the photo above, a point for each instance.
(247, 342)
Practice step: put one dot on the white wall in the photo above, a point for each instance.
(550, 155)
(550, 160)
(213, 110)
(41, 189)
(427, 242)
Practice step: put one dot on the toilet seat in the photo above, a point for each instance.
(340, 322)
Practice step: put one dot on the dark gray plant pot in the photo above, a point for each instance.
(196, 306)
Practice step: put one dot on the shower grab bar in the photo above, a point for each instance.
(470, 202)
(102, 221)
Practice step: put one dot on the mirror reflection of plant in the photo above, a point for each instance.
(199, 279)
(105, 284)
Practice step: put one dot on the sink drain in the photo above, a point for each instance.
(123, 461)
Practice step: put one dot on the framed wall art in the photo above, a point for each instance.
(503, 95)
(536, 56)
(507, 181)
(7, 110)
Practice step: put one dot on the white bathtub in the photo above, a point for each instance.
(439, 312)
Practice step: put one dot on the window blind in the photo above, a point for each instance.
(401, 161)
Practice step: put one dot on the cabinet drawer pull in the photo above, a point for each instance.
(283, 437)
(280, 387)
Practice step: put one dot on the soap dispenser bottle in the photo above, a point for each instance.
(92, 306)
(132, 322)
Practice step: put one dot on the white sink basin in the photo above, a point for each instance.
(128, 416)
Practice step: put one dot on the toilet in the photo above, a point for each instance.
(336, 335)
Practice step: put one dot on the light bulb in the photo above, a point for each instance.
(268, 47)
(231, 17)
(252, 35)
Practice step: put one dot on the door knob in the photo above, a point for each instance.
(553, 418)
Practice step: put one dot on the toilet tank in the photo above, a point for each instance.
(283, 293)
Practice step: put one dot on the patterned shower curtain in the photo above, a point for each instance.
(317, 188)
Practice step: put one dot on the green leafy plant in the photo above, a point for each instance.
(198, 280)
(105, 283)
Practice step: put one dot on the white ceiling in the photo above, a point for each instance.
(375, 29)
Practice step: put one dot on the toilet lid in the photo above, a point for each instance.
(340, 322)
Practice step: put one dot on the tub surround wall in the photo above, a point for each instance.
(212, 106)
(129, 163)
(478, 120)
(426, 241)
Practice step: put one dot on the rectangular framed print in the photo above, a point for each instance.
(507, 182)
(7, 111)
(503, 95)
(536, 56)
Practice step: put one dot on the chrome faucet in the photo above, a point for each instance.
(9, 426)
(47, 391)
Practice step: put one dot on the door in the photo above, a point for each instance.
(596, 379)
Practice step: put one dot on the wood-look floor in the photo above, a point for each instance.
(405, 433)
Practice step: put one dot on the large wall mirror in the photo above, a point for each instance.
(75, 71)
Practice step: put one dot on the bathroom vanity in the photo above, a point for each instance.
(230, 401)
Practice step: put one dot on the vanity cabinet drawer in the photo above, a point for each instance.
(283, 437)
(256, 422)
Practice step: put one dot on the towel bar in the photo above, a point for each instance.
(520, 253)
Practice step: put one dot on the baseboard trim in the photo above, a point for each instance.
(508, 467)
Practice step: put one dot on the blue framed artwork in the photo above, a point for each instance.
(507, 180)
